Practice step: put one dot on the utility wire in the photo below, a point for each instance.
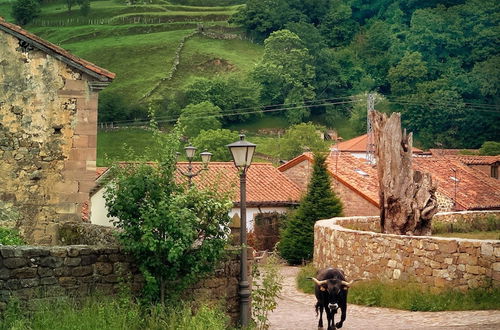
(164, 119)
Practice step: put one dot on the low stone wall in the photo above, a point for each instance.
(436, 261)
(32, 273)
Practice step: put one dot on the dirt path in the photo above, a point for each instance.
(296, 311)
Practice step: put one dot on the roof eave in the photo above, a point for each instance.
(101, 77)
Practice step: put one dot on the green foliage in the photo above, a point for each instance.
(110, 313)
(215, 141)
(286, 74)
(237, 97)
(490, 148)
(24, 11)
(266, 287)
(320, 202)
(304, 282)
(10, 237)
(300, 138)
(409, 295)
(197, 117)
(175, 235)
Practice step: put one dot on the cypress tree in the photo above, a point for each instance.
(320, 202)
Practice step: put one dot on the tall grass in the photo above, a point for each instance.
(410, 295)
(479, 228)
(110, 314)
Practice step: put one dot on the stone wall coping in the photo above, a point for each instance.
(335, 224)
(467, 212)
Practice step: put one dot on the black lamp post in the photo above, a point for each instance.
(205, 159)
(242, 152)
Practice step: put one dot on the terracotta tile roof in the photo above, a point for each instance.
(353, 172)
(477, 160)
(265, 184)
(359, 144)
(449, 152)
(56, 51)
(475, 189)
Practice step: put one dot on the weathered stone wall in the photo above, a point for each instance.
(435, 261)
(32, 273)
(48, 116)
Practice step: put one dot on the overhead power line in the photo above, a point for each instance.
(238, 112)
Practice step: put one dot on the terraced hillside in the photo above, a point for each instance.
(154, 48)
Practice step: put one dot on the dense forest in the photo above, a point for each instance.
(435, 61)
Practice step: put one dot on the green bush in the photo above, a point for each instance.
(267, 285)
(24, 11)
(175, 233)
(10, 237)
(297, 240)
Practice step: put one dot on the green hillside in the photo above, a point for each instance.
(139, 43)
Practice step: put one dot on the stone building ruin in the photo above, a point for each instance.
(48, 130)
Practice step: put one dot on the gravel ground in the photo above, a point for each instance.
(296, 311)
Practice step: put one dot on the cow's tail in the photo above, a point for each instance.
(317, 307)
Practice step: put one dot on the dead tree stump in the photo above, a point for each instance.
(407, 197)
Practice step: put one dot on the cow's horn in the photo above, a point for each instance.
(318, 282)
(347, 284)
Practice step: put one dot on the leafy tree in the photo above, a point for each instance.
(490, 148)
(337, 26)
(262, 17)
(320, 202)
(300, 138)
(24, 11)
(286, 73)
(197, 117)
(175, 235)
(215, 141)
(238, 98)
(410, 70)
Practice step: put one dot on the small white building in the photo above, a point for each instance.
(268, 190)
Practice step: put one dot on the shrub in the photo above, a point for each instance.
(320, 202)
(24, 11)
(174, 233)
(267, 285)
(10, 237)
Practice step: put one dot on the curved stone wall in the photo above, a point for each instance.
(436, 261)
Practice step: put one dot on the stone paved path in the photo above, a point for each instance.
(296, 311)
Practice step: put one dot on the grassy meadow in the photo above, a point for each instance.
(138, 43)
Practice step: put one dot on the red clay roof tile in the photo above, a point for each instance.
(359, 144)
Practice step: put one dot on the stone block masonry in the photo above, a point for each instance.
(435, 261)
(31, 273)
(48, 129)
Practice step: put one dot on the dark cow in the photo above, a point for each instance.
(331, 292)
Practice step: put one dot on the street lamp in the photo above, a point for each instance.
(242, 152)
(205, 159)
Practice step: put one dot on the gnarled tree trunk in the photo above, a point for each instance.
(407, 197)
